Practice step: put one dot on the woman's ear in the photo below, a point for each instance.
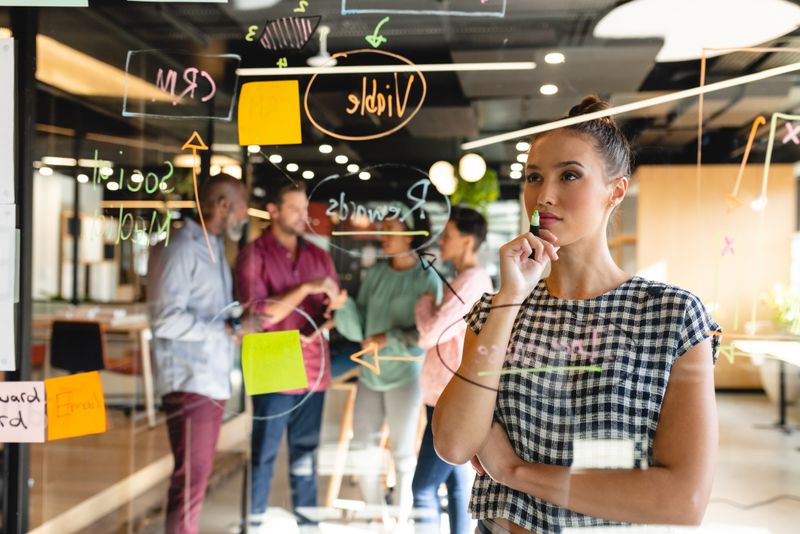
(618, 190)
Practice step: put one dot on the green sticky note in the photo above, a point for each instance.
(272, 362)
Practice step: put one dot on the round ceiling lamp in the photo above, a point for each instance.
(471, 167)
(443, 177)
(688, 26)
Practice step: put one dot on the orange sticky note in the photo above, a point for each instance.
(75, 406)
(269, 113)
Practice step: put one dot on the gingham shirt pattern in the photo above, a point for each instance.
(634, 333)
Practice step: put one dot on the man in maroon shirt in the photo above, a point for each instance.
(276, 275)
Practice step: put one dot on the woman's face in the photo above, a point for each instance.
(566, 181)
(395, 244)
(452, 242)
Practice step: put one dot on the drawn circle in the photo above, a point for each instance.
(371, 136)
(433, 236)
(311, 388)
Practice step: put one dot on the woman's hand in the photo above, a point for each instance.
(518, 273)
(497, 457)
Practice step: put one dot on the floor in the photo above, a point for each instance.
(756, 490)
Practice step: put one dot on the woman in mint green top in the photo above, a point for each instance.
(382, 316)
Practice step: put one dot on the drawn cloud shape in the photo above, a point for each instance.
(688, 26)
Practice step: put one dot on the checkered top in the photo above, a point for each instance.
(632, 335)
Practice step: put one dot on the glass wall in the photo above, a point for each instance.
(181, 375)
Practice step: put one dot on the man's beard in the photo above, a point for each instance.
(289, 229)
(236, 231)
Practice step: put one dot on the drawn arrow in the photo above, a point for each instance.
(733, 199)
(429, 265)
(377, 40)
(375, 367)
(195, 142)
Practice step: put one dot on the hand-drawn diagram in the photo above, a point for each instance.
(195, 143)
(333, 189)
(375, 39)
(191, 91)
(288, 33)
(384, 97)
(376, 358)
(733, 199)
(791, 134)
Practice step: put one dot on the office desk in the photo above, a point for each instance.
(136, 327)
(783, 351)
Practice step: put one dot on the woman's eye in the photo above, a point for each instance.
(533, 178)
(569, 176)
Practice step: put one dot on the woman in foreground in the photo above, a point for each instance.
(585, 398)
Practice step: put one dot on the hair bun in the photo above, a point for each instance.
(589, 104)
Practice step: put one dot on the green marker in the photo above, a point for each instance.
(534, 229)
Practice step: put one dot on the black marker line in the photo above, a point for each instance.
(279, 169)
(441, 276)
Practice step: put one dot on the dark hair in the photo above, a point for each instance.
(470, 222)
(608, 138)
(216, 187)
(279, 186)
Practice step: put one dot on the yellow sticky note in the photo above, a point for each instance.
(273, 361)
(269, 113)
(75, 406)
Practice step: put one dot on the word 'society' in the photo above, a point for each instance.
(185, 91)
(386, 101)
(411, 203)
(129, 226)
(453, 8)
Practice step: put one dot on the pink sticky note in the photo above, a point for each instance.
(22, 412)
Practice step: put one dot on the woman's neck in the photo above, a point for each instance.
(583, 272)
(466, 261)
(402, 262)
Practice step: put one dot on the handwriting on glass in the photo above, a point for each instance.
(350, 209)
(791, 134)
(167, 82)
(375, 102)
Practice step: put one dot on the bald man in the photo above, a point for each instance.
(193, 346)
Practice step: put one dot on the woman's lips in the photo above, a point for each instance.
(548, 220)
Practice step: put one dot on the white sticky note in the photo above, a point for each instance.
(7, 121)
(22, 412)
(8, 266)
(603, 454)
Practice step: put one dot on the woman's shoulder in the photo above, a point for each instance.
(664, 298)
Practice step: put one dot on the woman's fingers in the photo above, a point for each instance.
(477, 466)
(550, 250)
(547, 235)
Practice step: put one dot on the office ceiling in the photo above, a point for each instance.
(459, 106)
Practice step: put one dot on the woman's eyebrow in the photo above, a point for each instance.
(567, 163)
